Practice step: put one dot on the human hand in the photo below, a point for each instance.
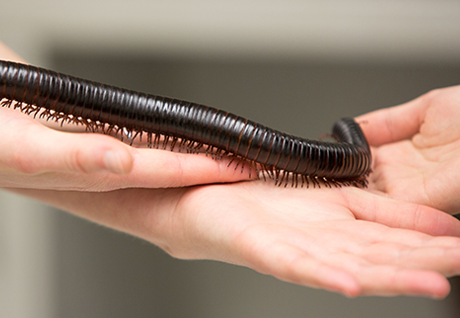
(35, 156)
(341, 239)
(417, 149)
(185, 223)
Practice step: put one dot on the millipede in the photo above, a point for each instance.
(170, 123)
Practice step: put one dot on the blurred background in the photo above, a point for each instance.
(294, 65)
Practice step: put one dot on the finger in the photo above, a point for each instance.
(390, 281)
(398, 214)
(154, 168)
(395, 123)
(143, 168)
(79, 160)
(441, 259)
(46, 150)
(163, 168)
(291, 264)
(35, 149)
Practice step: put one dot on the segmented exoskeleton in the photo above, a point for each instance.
(170, 122)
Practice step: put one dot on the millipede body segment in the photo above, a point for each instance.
(169, 122)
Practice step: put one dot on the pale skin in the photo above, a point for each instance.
(345, 239)
(417, 149)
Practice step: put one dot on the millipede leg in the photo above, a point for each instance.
(179, 124)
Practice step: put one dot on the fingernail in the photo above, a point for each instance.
(113, 163)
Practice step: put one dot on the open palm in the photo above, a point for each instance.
(417, 150)
(345, 240)
(324, 238)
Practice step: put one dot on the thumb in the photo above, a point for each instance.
(37, 149)
(394, 123)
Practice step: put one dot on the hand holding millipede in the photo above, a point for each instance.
(34, 156)
(340, 239)
(417, 149)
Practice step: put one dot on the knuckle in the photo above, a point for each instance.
(75, 161)
(430, 95)
(24, 163)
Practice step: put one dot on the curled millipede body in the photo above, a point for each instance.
(170, 122)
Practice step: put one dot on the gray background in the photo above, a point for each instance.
(295, 65)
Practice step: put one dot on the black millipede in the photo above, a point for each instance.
(169, 122)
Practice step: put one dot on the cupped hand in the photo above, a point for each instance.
(345, 240)
(417, 149)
